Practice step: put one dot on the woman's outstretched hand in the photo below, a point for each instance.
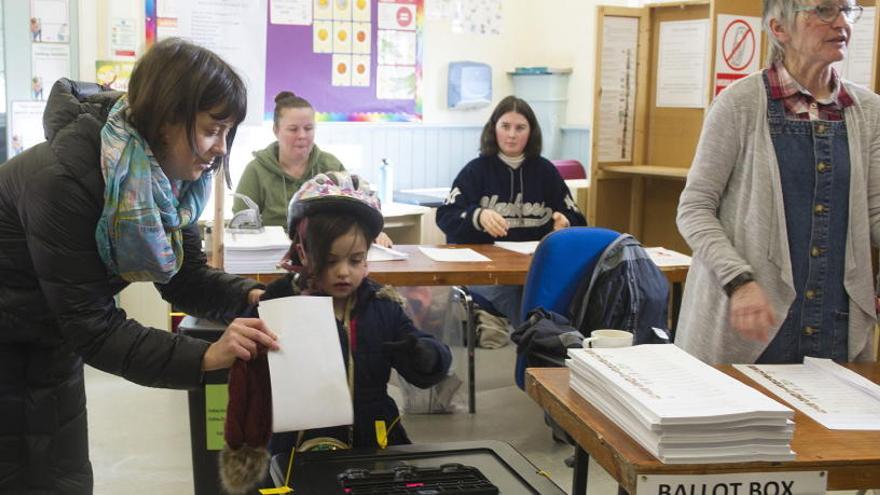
(750, 313)
(244, 338)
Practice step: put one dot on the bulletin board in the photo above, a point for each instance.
(354, 60)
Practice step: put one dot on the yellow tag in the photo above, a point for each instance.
(381, 434)
(276, 491)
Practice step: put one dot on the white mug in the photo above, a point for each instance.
(608, 338)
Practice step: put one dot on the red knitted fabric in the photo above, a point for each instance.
(249, 412)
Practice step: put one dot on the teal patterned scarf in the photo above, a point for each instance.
(139, 233)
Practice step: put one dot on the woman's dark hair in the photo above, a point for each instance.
(322, 230)
(287, 99)
(173, 82)
(488, 141)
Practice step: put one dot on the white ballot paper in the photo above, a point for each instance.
(381, 253)
(452, 254)
(309, 384)
(523, 247)
(835, 397)
(667, 257)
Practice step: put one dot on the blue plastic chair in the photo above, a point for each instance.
(563, 259)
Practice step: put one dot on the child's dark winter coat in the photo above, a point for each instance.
(377, 320)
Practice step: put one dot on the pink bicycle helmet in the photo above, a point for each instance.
(336, 192)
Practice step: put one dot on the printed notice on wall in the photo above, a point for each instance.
(683, 62)
(620, 36)
(856, 66)
(123, 37)
(49, 22)
(477, 17)
(25, 125)
(220, 25)
(737, 49)
(114, 74)
(396, 40)
(49, 62)
(291, 12)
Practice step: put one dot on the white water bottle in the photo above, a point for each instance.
(386, 182)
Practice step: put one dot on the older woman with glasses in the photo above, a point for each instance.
(782, 203)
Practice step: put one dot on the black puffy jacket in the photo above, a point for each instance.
(57, 305)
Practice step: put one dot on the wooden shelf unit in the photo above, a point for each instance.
(640, 195)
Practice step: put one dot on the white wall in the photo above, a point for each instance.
(502, 53)
(554, 33)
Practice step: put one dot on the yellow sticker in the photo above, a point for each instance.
(381, 434)
(276, 491)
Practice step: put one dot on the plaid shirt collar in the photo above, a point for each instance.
(798, 100)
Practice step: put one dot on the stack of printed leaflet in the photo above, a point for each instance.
(258, 252)
(680, 409)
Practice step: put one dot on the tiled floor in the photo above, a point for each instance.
(140, 436)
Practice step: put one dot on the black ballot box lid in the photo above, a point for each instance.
(201, 328)
(500, 463)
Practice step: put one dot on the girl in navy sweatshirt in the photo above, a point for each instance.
(509, 193)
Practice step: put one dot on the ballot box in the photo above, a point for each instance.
(207, 412)
(504, 466)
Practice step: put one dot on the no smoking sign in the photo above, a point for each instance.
(738, 45)
(736, 53)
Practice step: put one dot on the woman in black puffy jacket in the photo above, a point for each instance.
(111, 197)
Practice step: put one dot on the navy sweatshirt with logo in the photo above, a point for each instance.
(526, 197)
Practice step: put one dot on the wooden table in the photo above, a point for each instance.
(851, 458)
(506, 268)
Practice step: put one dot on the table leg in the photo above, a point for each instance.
(581, 469)
(471, 338)
(677, 291)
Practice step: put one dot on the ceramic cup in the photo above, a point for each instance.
(608, 338)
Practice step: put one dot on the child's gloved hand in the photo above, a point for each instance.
(422, 355)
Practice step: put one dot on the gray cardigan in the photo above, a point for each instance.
(731, 214)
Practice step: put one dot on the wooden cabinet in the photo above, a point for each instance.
(637, 191)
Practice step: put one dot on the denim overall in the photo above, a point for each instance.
(814, 170)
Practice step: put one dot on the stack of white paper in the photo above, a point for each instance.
(255, 253)
(680, 409)
(832, 395)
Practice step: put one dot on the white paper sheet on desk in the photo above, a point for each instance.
(380, 253)
(452, 254)
(667, 257)
(309, 384)
(525, 247)
(822, 393)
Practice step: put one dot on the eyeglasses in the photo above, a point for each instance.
(828, 12)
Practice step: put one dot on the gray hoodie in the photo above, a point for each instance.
(265, 182)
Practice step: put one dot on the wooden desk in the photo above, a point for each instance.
(505, 268)
(851, 458)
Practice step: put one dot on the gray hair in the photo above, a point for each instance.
(784, 12)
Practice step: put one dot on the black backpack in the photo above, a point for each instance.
(627, 292)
